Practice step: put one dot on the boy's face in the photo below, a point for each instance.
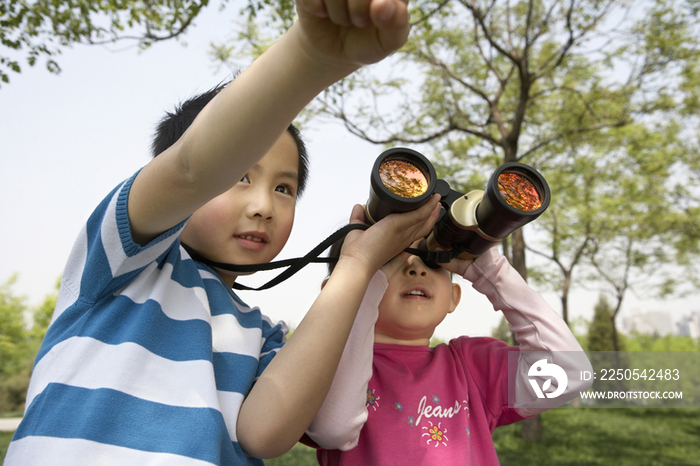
(251, 222)
(417, 300)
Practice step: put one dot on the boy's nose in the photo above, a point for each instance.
(415, 266)
(259, 205)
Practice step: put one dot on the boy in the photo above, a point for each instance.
(150, 357)
(412, 404)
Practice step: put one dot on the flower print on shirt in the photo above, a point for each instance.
(372, 399)
(436, 433)
(434, 418)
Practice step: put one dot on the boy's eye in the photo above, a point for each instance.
(284, 190)
(245, 179)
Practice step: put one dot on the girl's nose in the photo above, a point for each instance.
(415, 266)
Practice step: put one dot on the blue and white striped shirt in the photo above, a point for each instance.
(148, 357)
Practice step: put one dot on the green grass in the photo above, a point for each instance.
(5, 438)
(299, 455)
(575, 437)
(620, 437)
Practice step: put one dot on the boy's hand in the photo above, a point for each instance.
(397, 261)
(352, 32)
(390, 236)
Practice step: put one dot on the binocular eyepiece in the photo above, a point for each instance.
(403, 180)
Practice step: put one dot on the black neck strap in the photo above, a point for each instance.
(293, 265)
(431, 258)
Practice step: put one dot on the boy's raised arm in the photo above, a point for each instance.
(291, 390)
(331, 39)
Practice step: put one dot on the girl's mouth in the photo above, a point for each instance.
(417, 293)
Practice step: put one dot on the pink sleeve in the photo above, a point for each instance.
(542, 334)
(338, 423)
(486, 360)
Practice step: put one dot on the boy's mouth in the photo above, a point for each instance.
(252, 240)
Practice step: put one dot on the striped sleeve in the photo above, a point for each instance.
(105, 257)
(146, 361)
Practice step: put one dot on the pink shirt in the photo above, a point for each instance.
(433, 406)
(438, 406)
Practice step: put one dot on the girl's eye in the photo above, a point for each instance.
(245, 179)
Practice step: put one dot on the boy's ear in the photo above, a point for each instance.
(455, 297)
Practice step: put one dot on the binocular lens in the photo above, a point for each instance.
(403, 178)
(518, 191)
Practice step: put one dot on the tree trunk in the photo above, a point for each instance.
(565, 297)
(518, 244)
(616, 347)
(531, 429)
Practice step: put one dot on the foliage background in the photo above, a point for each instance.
(18, 343)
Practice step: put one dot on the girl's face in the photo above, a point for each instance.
(417, 300)
(251, 222)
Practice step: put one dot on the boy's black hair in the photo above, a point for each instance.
(174, 124)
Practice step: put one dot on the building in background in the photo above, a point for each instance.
(689, 325)
(650, 323)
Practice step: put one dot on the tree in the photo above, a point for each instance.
(496, 81)
(633, 249)
(41, 318)
(13, 347)
(600, 339)
(566, 231)
(502, 331)
(13, 335)
(600, 331)
(19, 342)
(42, 28)
(483, 83)
(618, 186)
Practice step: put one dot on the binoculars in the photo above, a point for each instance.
(403, 180)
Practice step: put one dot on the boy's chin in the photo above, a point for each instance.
(243, 260)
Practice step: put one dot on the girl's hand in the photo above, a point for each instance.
(458, 266)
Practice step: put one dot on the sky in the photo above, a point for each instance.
(67, 140)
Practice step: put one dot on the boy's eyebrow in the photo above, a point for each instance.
(289, 174)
